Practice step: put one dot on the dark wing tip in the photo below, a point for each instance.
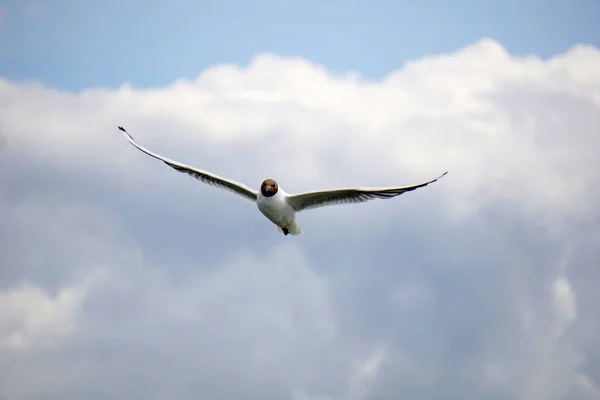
(125, 132)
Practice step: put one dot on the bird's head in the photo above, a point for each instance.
(269, 188)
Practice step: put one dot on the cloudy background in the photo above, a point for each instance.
(121, 278)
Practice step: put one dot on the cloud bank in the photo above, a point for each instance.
(122, 278)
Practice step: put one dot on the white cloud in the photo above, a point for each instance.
(565, 299)
(450, 112)
(30, 317)
(453, 288)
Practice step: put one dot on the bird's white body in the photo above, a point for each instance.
(273, 202)
(279, 211)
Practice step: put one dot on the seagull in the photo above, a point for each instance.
(273, 202)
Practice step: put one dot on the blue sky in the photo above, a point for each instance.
(73, 45)
(121, 278)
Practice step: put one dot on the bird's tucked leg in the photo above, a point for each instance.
(286, 231)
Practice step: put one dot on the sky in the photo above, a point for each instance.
(121, 278)
(75, 45)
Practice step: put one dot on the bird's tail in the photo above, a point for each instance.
(295, 229)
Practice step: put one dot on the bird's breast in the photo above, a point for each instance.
(275, 208)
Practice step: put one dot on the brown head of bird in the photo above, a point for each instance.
(269, 188)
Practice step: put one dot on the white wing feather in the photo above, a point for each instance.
(203, 176)
(322, 198)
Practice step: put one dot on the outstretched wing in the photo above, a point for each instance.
(203, 176)
(322, 198)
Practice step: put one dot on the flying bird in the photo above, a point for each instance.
(277, 205)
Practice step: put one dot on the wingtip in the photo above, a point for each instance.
(442, 175)
(125, 132)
